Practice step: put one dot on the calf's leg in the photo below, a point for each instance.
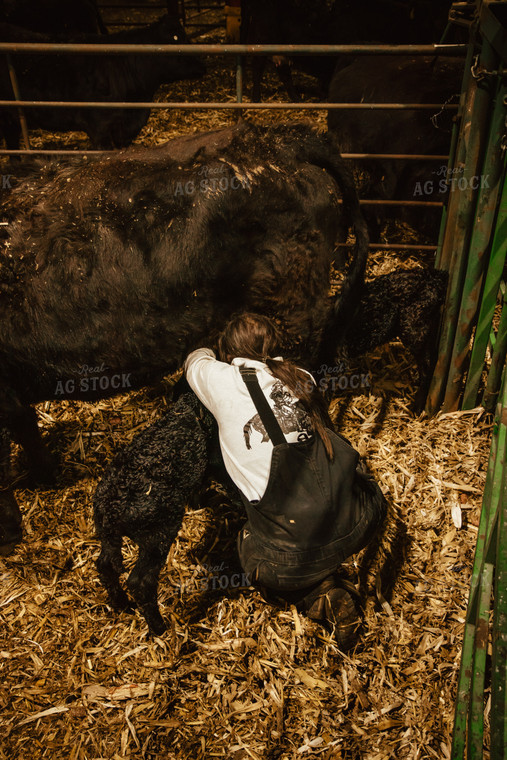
(425, 355)
(143, 580)
(10, 515)
(22, 423)
(109, 567)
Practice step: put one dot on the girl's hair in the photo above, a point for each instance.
(254, 336)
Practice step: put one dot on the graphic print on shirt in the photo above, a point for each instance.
(291, 418)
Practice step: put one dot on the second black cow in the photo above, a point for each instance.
(100, 78)
(54, 16)
(398, 79)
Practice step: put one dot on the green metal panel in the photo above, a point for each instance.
(476, 708)
(491, 287)
(459, 736)
(500, 351)
(490, 186)
(468, 724)
(499, 658)
(460, 220)
(465, 88)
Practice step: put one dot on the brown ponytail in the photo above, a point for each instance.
(254, 336)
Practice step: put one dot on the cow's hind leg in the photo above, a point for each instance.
(284, 72)
(10, 515)
(22, 423)
(425, 355)
(143, 580)
(109, 567)
(258, 66)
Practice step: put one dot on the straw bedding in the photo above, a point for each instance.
(233, 678)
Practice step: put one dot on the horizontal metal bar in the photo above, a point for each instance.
(393, 157)
(346, 156)
(140, 25)
(401, 202)
(63, 152)
(119, 49)
(230, 105)
(150, 7)
(136, 6)
(393, 246)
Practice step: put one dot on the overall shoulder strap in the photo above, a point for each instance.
(266, 414)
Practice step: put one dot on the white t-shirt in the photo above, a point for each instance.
(246, 447)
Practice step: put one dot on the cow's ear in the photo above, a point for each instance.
(173, 8)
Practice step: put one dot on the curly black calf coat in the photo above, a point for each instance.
(404, 305)
(143, 496)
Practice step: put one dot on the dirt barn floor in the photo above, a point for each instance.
(232, 677)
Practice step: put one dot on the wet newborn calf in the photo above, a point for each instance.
(143, 496)
(401, 305)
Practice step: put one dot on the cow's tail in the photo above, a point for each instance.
(328, 158)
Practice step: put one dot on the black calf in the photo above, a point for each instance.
(404, 305)
(143, 496)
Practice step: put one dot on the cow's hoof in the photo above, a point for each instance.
(121, 603)
(40, 474)
(45, 471)
(9, 540)
(11, 530)
(156, 627)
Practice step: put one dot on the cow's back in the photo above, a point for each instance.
(131, 261)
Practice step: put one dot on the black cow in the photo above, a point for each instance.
(129, 262)
(297, 22)
(54, 16)
(95, 78)
(398, 79)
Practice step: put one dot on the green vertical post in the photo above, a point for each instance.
(489, 192)
(466, 107)
(498, 718)
(453, 149)
(460, 221)
(465, 711)
(496, 265)
(498, 361)
(476, 708)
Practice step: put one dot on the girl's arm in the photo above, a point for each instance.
(203, 370)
